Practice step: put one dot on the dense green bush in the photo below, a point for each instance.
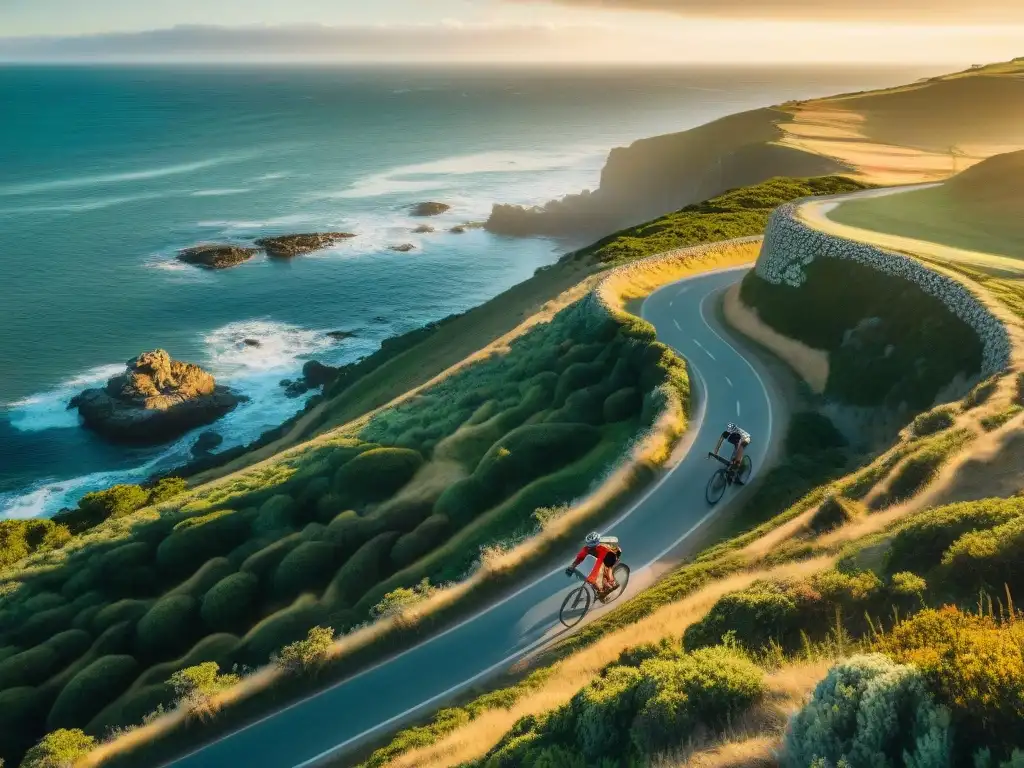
(92, 689)
(69, 644)
(209, 573)
(40, 626)
(115, 613)
(279, 629)
(21, 711)
(305, 568)
(933, 421)
(402, 515)
(30, 667)
(630, 714)
(348, 531)
(920, 541)
(889, 341)
(167, 488)
(992, 560)
(425, 538)
(276, 514)
(870, 711)
(197, 539)
(230, 601)
(974, 666)
(263, 562)
(622, 404)
(21, 538)
(362, 571)
(377, 474)
(531, 451)
(168, 626)
(834, 512)
(132, 707)
(116, 639)
(61, 748)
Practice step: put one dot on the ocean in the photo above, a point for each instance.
(105, 172)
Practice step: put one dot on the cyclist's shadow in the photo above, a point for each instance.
(542, 620)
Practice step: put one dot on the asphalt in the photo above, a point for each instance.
(731, 387)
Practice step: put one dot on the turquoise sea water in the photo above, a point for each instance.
(105, 172)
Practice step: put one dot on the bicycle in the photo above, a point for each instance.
(726, 476)
(581, 598)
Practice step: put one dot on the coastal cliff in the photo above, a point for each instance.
(657, 175)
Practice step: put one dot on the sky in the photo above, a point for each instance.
(883, 31)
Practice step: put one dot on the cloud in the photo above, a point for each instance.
(910, 11)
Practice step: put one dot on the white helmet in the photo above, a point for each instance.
(593, 539)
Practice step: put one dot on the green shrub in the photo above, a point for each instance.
(276, 513)
(115, 613)
(582, 407)
(263, 562)
(377, 474)
(348, 531)
(930, 422)
(168, 626)
(305, 568)
(577, 377)
(463, 500)
(196, 540)
(996, 420)
(83, 580)
(218, 647)
(974, 666)
(308, 655)
(920, 541)
(981, 393)
(69, 644)
(21, 538)
(622, 404)
(230, 601)
(209, 573)
(425, 538)
(531, 451)
(402, 514)
(132, 707)
(921, 468)
(59, 749)
(30, 667)
(279, 629)
(21, 711)
(114, 640)
(834, 512)
(167, 488)
(92, 689)
(116, 501)
(40, 626)
(363, 570)
(196, 684)
(866, 710)
(991, 559)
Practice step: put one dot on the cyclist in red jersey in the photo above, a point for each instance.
(606, 551)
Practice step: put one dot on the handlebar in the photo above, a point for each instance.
(718, 458)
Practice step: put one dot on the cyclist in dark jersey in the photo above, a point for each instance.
(606, 551)
(738, 438)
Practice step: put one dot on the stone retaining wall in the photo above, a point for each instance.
(790, 245)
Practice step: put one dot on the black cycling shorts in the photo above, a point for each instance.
(734, 438)
(610, 559)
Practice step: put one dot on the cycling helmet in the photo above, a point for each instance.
(593, 539)
(730, 427)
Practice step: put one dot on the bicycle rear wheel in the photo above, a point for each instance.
(575, 606)
(621, 574)
(746, 467)
(716, 487)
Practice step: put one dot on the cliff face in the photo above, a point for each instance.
(654, 176)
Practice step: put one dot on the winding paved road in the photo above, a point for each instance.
(732, 388)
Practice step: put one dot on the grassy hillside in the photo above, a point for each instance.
(977, 210)
(880, 633)
(102, 606)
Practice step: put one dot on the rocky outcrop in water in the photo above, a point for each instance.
(208, 442)
(155, 400)
(430, 209)
(423, 229)
(289, 246)
(216, 256)
(403, 248)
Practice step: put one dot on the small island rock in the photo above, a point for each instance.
(157, 399)
(423, 229)
(216, 256)
(340, 335)
(317, 374)
(430, 209)
(251, 343)
(403, 248)
(458, 229)
(206, 443)
(289, 246)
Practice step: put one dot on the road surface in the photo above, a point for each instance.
(732, 388)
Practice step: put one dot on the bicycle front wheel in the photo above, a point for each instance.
(716, 487)
(575, 606)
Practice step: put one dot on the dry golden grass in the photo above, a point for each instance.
(809, 363)
(477, 737)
